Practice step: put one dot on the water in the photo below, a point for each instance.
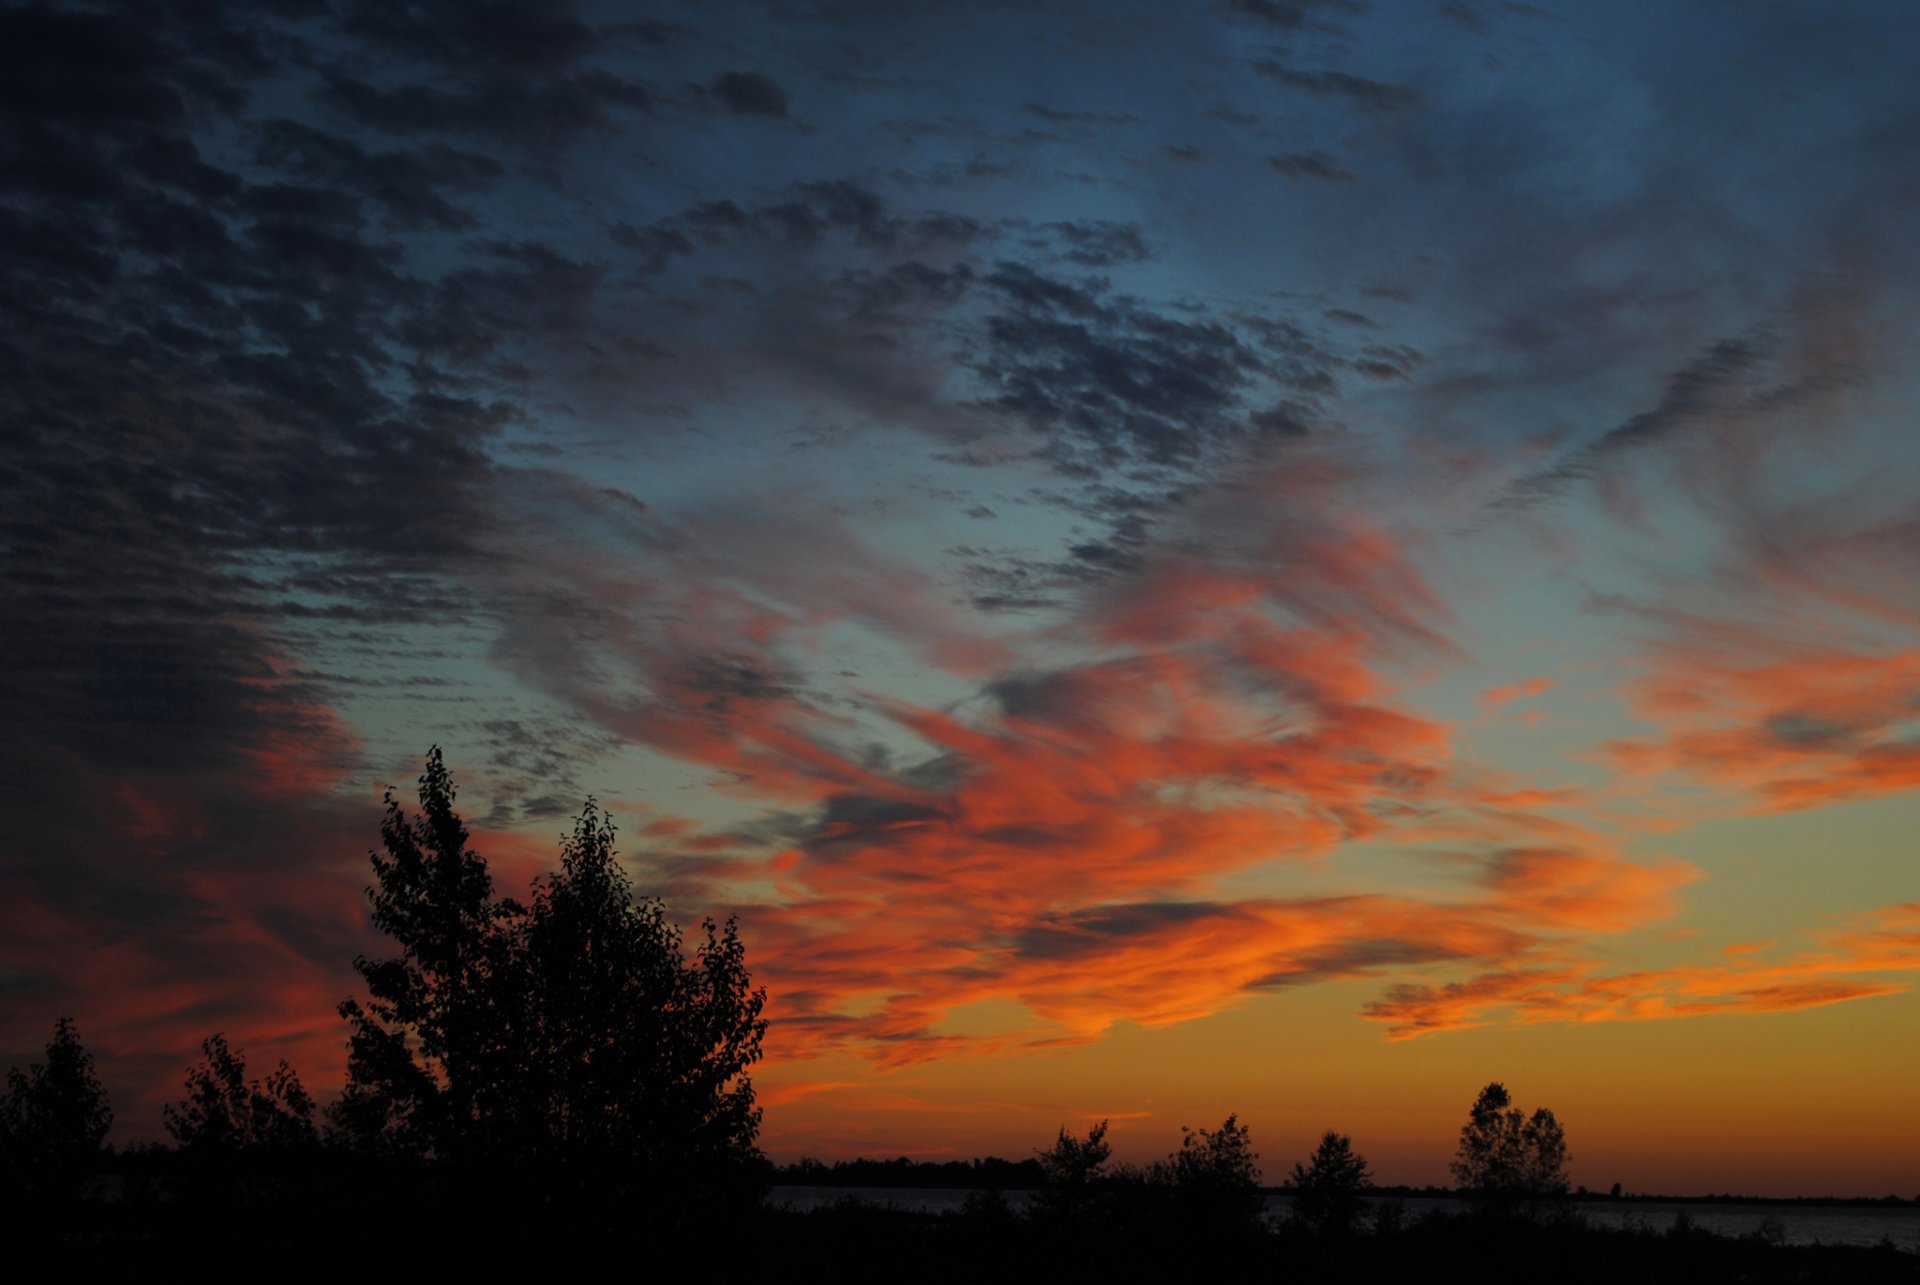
(1802, 1224)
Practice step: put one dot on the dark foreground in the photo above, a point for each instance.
(383, 1234)
(1436, 1247)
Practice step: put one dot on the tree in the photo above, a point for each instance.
(569, 1032)
(1071, 1173)
(435, 1056)
(55, 1116)
(1506, 1159)
(643, 1056)
(1327, 1190)
(223, 1114)
(1214, 1178)
(1222, 1158)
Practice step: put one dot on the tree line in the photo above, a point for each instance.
(1507, 1164)
(567, 1041)
(571, 1034)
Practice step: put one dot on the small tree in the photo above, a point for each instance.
(1214, 1179)
(1328, 1190)
(223, 1114)
(1071, 1172)
(55, 1116)
(1508, 1160)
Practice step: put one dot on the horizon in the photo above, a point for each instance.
(1291, 558)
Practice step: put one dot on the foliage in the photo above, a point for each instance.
(55, 1115)
(1214, 1178)
(989, 1209)
(1507, 1160)
(1071, 1172)
(223, 1114)
(435, 1056)
(1389, 1218)
(1327, 1189)
(1210, 1186)
(644, 1057)
(572, 1030)
(1216, 1160)
(988, 1173)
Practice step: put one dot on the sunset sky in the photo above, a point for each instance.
(1290, 557)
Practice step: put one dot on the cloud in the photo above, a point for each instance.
(1800, 729)
(1059, 117)
(1707, 388)
(1358, 91)
(513, 74)
(248, 449)
(536, 764)
(1290, 15)
(803, 218)
(1310, 165)
(1102, 243)
(1465, 16)
(1496, 699)
(1059, 846)
(1110, 380)
(190, 881)
(410, 184)
(747, 93)
(1880, 942)
(1569, 889)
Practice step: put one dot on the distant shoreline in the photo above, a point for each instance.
(1603, 1198)
(876, 1179)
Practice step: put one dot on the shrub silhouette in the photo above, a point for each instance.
(1209, 1188)
(240, 1142)
(1213, 1179)
(1072, 1171)
(223, 1114)
(1327, 1190)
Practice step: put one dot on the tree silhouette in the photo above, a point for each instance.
(1214, 1178)
(1506, 1159)
(240, 1141)
(1327, 1189)
(568, 1034)
(1071, 1172)
(643, 1057)
(436, 1056)
(54, 1117)
(223, 1114)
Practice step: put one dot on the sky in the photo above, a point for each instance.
(1285, 557)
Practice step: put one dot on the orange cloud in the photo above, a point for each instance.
(1050, 857)
(1495, 699)
(1806, 728)
(1053, 862)
(1584, 891)
(1885, 941)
